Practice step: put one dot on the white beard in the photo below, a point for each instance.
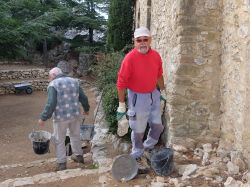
(143, 49)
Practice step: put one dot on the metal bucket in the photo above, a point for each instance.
(40, 141)
(124, 168)
(162, 161)
(86, 132)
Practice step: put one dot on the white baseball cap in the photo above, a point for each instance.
(142, 31)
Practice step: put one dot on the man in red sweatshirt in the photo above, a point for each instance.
(140, 74)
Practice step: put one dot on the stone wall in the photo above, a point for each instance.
(24, 74)
(187, 35)
(235, 76)
(38, 78)
(37, 85)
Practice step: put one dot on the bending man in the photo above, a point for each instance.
(64, 98)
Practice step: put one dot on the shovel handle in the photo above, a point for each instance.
(164, 106)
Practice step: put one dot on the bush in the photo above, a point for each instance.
(106, 74)
(106, 71)
(127, 48)
(110, 104)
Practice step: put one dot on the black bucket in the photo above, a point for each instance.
(41, 147)
(40, 141)
(162, 161)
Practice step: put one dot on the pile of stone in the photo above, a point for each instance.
(215, 166)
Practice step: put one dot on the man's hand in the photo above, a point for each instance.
(41, 122)
(121, 111)
(86, 113)
(163, 95)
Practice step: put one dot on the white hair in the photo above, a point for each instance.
(55, 72)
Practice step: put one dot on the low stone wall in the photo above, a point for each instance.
(24, 74)
(37, 85)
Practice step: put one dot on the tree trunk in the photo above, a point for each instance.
(91, 9)
(45, 53)
(91, 35)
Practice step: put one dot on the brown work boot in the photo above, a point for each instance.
(61, 166)
(77, 158)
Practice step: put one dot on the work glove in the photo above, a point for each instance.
(121, 111)
(123, 126)
(122, 120)
(163, 95)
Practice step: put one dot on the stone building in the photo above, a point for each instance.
(205, 48)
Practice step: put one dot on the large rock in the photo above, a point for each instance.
(85, 60)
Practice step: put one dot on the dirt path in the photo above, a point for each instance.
(18, 116)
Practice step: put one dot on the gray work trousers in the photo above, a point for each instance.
(144, 108)
(59, 135)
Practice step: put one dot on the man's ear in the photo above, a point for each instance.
(150, 39)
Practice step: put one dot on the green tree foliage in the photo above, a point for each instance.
(23, 23)
(120, 24)
(86, 15)
(27, 24)
(88, 12)
(106, 74)
(106, 71)
(110, 104)
(119, 38)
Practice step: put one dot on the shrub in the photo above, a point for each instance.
(110, 104)
(106, 71)
(106, 74)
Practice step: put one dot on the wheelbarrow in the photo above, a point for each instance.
(23, 87)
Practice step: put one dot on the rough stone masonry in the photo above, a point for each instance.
(205, 48)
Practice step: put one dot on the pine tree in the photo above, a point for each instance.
(27, 25)
(120, 24)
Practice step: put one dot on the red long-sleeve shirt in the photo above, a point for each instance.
(140, 72)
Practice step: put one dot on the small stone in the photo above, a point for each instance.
(174, 181)
(218, 179)
(207, 147)
(160, 179)
(148, 177)
(23, 181)
(84, 144)
(157, 184)
(232, 168)
(103, 179)
(226, 160)
(198, 152)
(29, 166)
(180, 148)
